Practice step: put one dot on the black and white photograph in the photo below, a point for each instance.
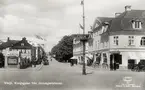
(72, 44)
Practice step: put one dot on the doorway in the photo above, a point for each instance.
(115, 61)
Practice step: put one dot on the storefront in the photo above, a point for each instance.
(12, 59)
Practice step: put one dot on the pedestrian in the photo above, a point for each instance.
(71, 62)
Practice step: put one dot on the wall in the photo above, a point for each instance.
(78, 47)
(100, 41)
(123, 42)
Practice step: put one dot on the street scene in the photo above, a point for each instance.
(66, 77)
(72, 45)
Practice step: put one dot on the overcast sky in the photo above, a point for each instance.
(53, 19)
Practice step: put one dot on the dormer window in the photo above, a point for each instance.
(22, 44)
(105, 26)
(136, 24)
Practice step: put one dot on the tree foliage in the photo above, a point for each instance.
(63, 51)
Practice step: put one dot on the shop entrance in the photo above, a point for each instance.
(115, 61)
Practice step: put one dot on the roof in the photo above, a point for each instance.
(7, 44)
(124, 21)
(23, 44)
(100, 21)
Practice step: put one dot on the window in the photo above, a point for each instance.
(105, 28)
(137, 24)
(116, 40)
(131, 40)
(142, 42)
(22, 44)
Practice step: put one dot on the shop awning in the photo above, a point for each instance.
(74, 57)
(89, 56)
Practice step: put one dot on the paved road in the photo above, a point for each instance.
(69, 78)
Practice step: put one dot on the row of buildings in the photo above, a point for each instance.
(17, 51)
(119, 39)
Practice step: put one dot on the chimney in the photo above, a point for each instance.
(24, 39)
(128, 8)
(117, 14)
(8, 39)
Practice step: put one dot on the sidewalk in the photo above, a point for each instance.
(37, 68)
(101, 69)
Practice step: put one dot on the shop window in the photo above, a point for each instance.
(131, 63)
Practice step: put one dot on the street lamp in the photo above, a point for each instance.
(84, 39)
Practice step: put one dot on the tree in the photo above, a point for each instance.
(63, 51)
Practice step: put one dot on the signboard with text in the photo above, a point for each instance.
(12, 60)
(12, 53)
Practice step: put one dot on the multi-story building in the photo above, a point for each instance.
(78, 49)
(120, 39)
(18, 51)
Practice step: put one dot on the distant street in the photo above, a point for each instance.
(69, 78)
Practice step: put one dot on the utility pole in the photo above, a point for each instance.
(83, 40)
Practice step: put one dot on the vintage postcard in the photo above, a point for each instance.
(72, 45)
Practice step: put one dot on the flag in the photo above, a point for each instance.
(82, 2)
(81, 26)
(38, 37)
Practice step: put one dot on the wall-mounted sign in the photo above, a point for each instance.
(25, 55)
(12, 60)
(12, 53)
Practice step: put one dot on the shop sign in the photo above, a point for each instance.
(12, 53)
(27, 55)
(12, 60)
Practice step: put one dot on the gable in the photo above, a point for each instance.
(23, 44)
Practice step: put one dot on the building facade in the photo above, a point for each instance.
(17, 52)
(78, 49)
(119, 39)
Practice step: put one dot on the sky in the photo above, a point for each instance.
(52, 19)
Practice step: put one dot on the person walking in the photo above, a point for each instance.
(71, 62)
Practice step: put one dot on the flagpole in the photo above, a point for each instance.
(84, 65)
